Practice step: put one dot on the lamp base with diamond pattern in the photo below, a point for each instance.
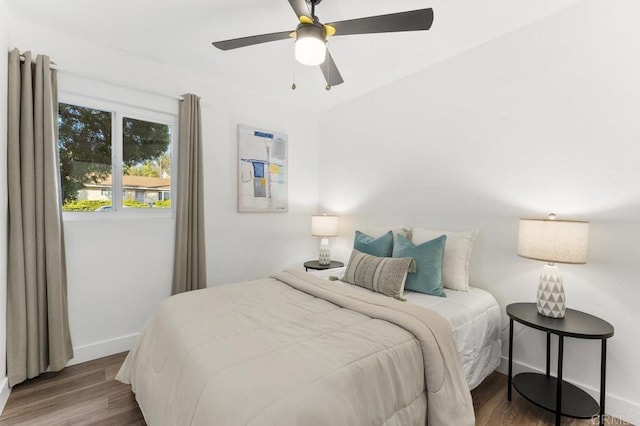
(551, 299)
(324, 257)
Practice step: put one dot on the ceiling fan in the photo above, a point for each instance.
(311, 35)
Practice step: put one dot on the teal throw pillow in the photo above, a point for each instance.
(381, 246)
(428, 256)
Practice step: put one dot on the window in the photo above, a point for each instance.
(114, 150)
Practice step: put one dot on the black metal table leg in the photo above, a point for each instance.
(559, 387)
(510, 359)
(548, 353)
(603, 374)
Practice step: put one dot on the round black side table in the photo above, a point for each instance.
(314, 264)
(552, 393)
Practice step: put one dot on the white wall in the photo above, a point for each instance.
(544, 119)
(120, 269)
(4, 46)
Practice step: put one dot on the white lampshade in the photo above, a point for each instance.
(310, 50)
(324, 226)
(550, 240)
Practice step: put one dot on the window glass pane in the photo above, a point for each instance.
(146, 151)
(85, 158)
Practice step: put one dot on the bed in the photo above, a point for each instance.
(296, 348)
(475, 319)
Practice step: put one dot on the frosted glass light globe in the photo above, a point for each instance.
(310, 51)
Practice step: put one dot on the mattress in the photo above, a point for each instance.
(475, 320)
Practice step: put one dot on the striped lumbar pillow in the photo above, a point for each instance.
(383, 275)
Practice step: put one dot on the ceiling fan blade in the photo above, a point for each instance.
(330, 71)
(251, 40)
(300, 7)
(412, 20)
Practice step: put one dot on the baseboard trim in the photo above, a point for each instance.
(616, 406)
(103, 348)
(5, 391)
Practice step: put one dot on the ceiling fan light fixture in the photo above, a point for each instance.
(310, 46)
(311, 35)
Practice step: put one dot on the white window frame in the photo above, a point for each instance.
(118, 112)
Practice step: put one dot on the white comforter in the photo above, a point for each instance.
(295, 350)
(475, 319)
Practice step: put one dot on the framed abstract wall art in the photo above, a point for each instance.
(262, 170)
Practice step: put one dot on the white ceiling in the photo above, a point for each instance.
(180, 32)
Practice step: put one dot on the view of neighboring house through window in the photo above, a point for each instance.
(103, 153)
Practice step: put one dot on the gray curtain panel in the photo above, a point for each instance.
(38, 335)
(189, 266)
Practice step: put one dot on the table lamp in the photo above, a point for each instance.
(553, 241)
(324, 226)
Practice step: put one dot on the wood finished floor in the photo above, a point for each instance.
(87, 394)
(83, 394)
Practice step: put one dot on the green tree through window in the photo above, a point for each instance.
(85, 146)
(145, 145)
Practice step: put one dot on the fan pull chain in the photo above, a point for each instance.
(293, 74)
(328, 86)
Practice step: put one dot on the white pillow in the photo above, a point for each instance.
(457, 253)
(378, 231)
